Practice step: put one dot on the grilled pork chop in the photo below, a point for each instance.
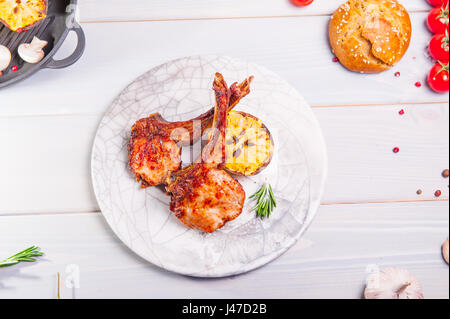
(154, 148)
(203, 195)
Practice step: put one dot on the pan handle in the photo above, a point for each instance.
(75, 56)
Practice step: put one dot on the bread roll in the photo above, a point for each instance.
(370, 36)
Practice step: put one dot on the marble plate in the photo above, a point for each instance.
(181, 90)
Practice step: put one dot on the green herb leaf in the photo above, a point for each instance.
(25, 255)
(265, 201)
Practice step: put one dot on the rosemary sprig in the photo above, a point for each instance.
(26, 255)
(265, 201)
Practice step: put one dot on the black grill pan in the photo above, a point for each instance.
(54, 28)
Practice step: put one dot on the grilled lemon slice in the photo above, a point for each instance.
(249, 144)
(22, 14)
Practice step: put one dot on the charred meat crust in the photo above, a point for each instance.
(267, 160)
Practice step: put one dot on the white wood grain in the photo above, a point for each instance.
(46, 168)
(329, 262)
(362, 162)
(283, 45)
(114, 10)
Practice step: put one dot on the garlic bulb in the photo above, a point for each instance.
(445, 251)
(393, 283)
(32, 52)
(5, 58)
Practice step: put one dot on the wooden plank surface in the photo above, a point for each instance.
(119, 10)
(49, 157)
(401, 235)
(301, 57)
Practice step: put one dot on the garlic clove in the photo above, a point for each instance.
(5, 58)
(445, 251)
(32, 52)
(393, 283)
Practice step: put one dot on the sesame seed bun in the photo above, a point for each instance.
(370, 36)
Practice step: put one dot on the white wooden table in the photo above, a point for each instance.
(371, 214)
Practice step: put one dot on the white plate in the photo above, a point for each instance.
(181, 90)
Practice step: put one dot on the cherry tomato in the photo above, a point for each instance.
(302, 3)
(438, 20)
(438, 78)
(439, 47)
(437, 3)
